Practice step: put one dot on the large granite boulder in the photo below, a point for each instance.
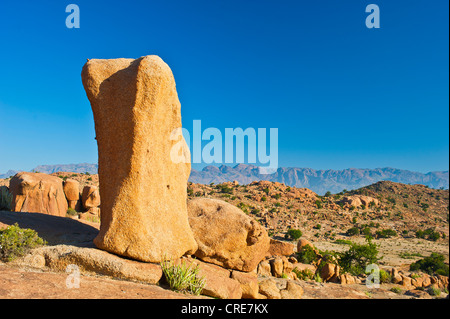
(142, 189)
(226, 236)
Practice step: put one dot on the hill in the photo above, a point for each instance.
(319, 181)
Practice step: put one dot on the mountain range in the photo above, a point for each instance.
(319, 181)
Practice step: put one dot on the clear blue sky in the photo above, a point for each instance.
(340, 94)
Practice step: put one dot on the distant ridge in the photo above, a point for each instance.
(319, 181)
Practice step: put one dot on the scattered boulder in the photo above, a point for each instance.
(249, 284)
(347, 279)
(280, 248)
(264, 268)
(366, 200)
(351, 201)
(90, 197)
(276, 267)
(406, 281)
(303, 267)
(38, 193)
(142, 174)
(268, 288)
(292, 291)
(71, 189)
(225, 235)
(396, 278)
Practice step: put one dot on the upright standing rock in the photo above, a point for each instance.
(72, 190)
(143, 192)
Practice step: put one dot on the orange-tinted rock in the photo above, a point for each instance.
(142, 189)
(225, 235)
(38, 193)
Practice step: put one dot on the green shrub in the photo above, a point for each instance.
(397, 290)
(318, 226)
(386, 233)
(353, 231)
(225, 189)
(385, 277)
(343, 242)
(305, 274)
(319, 203)
(183, 278)
(307, 255)
(433, 291)
(434, 236)
(276, 196)
(366, 232)
(358, 257)
(432, 265)
(16, 241)
(429, 234)
(293, 234)
(71, 212)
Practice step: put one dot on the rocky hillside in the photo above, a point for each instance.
(408, 222)
(402, 208)
(319, 181)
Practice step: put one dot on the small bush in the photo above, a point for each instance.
(183, 278)
(343, 242)
(225, 189)
(433, 291)
(305, 274)
(307, 255)
(397, 290)
(276, 196)
(358, 257)
(385, 277)
(432, 265)
(16, 241)
(293, 234)
(386, 233)
(318, 203)
(71, 212)
(429, 234)
(353, 231)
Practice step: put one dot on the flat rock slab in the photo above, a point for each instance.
(20, 284)
(55, 230)
(92, 261)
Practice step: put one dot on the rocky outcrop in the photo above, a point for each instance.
(91, 200)
(280, 248)
(226, 236)
(143, 189)
(72, 191)
(38, 193)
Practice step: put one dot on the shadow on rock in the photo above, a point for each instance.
(55, 230)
